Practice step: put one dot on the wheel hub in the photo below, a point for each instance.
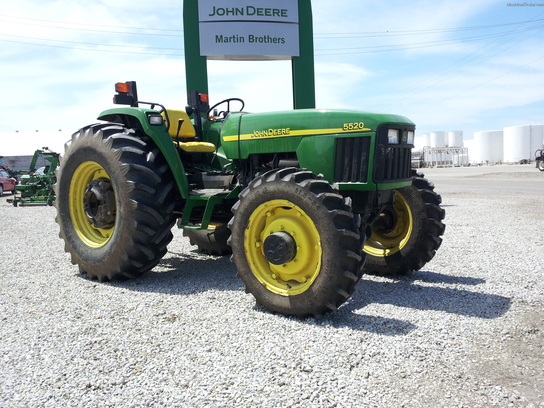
(387, 221)
(392, 230)
(283, 247)
(280, 248)
(99, 203)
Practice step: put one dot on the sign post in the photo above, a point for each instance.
(250, 30)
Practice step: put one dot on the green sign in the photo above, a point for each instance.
(250, 30)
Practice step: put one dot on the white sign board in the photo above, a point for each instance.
(248, 29)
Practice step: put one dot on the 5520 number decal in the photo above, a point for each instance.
(352, 126)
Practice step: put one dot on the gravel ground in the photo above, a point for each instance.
(467, 331)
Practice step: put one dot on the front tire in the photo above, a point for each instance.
(407, 235)
(295, 243)
(114, 200)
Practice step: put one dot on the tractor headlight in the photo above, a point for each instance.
(410, 139)
(393, 136)
(155, 120)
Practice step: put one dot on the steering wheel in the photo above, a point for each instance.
(223, 114)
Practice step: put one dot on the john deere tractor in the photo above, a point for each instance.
(300, 198)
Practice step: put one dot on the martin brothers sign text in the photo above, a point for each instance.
(252, 29)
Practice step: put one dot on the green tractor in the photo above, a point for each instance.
(300, 198)
(37, 185)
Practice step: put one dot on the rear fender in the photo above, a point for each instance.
(138, 118)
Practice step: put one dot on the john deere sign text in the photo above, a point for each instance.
(252, 30)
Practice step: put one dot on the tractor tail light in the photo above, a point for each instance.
(122, 87)
(126, 94)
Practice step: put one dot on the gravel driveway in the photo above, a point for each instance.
(467, 331)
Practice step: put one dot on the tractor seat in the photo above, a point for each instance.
(196, 147)
(186, 131)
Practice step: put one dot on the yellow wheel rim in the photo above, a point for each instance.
(388, 241)
(296, 275)
(89, 234)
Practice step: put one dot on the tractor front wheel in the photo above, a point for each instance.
(295, 243)
(114, 200)
(407, 234)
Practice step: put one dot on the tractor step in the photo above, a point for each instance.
(207, 198)
(210, 180)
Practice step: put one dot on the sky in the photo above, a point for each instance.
(468, 65)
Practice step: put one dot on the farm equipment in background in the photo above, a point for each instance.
(539, 158)
(37, 185)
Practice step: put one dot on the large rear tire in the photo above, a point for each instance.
(407, 235)
(115, 200)
(295, 243)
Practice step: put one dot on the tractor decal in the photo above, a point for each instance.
(287, 132)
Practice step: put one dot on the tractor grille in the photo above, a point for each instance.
(351, 161)
(392, 163)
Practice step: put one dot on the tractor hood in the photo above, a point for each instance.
(303, 122)
(328, 141)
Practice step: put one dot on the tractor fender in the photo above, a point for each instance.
(137, 118)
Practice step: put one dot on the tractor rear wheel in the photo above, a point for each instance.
(115, 200)
(295, 243)
(407, 235)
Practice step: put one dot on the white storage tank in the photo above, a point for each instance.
(426, 139)
(438, 139)
(455, 138)
(488, 147)
(517, 143)
(537, 138)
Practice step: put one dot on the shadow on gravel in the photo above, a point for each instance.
(187, 273)
(434, 277)
(370, 324)
(406, 293)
